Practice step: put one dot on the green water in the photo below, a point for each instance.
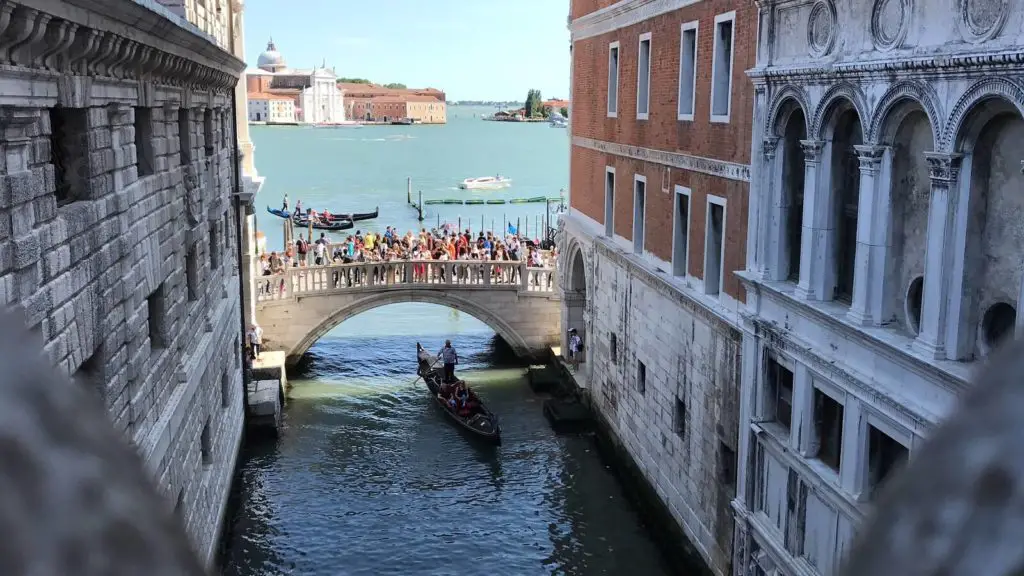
(367, 476)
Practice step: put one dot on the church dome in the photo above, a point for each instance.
(271, 60)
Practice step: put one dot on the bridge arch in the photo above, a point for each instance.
(448, 299)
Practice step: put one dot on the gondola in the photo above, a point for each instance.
(483, 424)
(356, 217)
(337, 224)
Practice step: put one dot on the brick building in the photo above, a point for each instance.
(660, 117)
(372, 102)
(886, 200)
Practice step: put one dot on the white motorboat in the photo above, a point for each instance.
(485, 183)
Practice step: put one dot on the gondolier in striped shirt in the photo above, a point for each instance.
(450, 358)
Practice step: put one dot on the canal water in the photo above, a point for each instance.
(367, 476)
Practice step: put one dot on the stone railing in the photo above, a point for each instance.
(405, 274)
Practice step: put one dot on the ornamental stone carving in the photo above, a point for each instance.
(890, 20)
(821, 28)
(943, 168)
(982, 20)
(812, 150)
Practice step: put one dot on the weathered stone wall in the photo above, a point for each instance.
(117, 231)
(680, 424)
(908, 130)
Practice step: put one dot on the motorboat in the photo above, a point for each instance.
(486, 183)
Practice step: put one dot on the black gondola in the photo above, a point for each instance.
(482, 424)
(337, 224)
(362, 215)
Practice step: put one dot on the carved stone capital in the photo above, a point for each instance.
(870, 157)
(768, 147)
(943, 168)
(117, 111)
(812, 150)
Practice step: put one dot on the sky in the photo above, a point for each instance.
(471, 49)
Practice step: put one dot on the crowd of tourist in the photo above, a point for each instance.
(441, 245)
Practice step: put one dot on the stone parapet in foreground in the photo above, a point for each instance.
(117, 229)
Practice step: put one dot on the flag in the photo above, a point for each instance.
(511, 229)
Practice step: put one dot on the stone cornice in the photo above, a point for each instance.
(974, 64)
(121, 39)
(622, 14)
(710, 166)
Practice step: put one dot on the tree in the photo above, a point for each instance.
(529, 104)
(565, 111)
(354, 81)
(396, 86)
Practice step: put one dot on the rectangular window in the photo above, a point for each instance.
(192, 273)
(828, 429)
(679, 422)
(885, 456)
(714, 247)
(69, 149)
(778, 392)
(144, 141)
(206, 444)
(609, 202)
(613, 343)
(681, 232)
(641, 377)
(643, 78)
(225, 386)
(156, 305)
(639, 212)
(208, 132)
(184, 137)
(687, 69)
(726, 465)
(215, 251)
(613, 79)
(721, 68)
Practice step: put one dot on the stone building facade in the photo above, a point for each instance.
(660, 118)
(884, 252)
(118, 232)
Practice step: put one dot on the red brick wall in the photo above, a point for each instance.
(582, 7)
(663, 131)
(588, 173)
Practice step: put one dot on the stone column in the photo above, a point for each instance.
(873, 217)
(818, 239)
(801, 435)
(944, 172)
(853, 466)
(769, 221)
(750, 360)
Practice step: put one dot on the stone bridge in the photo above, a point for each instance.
(520, 303)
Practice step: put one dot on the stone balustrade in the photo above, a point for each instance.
(405, 274)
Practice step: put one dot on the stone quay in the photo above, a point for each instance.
(119, 229)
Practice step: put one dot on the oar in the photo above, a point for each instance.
(421, 375)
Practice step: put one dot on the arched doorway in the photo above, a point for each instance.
(575, 299)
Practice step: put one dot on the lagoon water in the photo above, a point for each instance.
(367, 476)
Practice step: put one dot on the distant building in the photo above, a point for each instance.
(272, 108)
(372, 102)
(314, 92)
(555, 105)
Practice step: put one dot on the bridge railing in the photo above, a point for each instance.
(313, 280)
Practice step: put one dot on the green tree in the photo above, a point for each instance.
(565, 111)
(530, 104)
(354, 81)
(396, 86)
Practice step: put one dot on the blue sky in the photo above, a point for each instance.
(472, 49)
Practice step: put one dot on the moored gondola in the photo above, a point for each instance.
(481, 423)
(336, 224)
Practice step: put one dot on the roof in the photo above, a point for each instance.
(267, 96)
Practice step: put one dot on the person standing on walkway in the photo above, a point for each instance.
(450, 358)
(575, 349)
(255, 337)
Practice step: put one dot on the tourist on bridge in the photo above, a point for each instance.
(450, 359)
(284, 204)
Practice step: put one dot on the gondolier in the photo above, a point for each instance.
(450, 358)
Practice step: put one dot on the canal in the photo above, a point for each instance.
(367, 477)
